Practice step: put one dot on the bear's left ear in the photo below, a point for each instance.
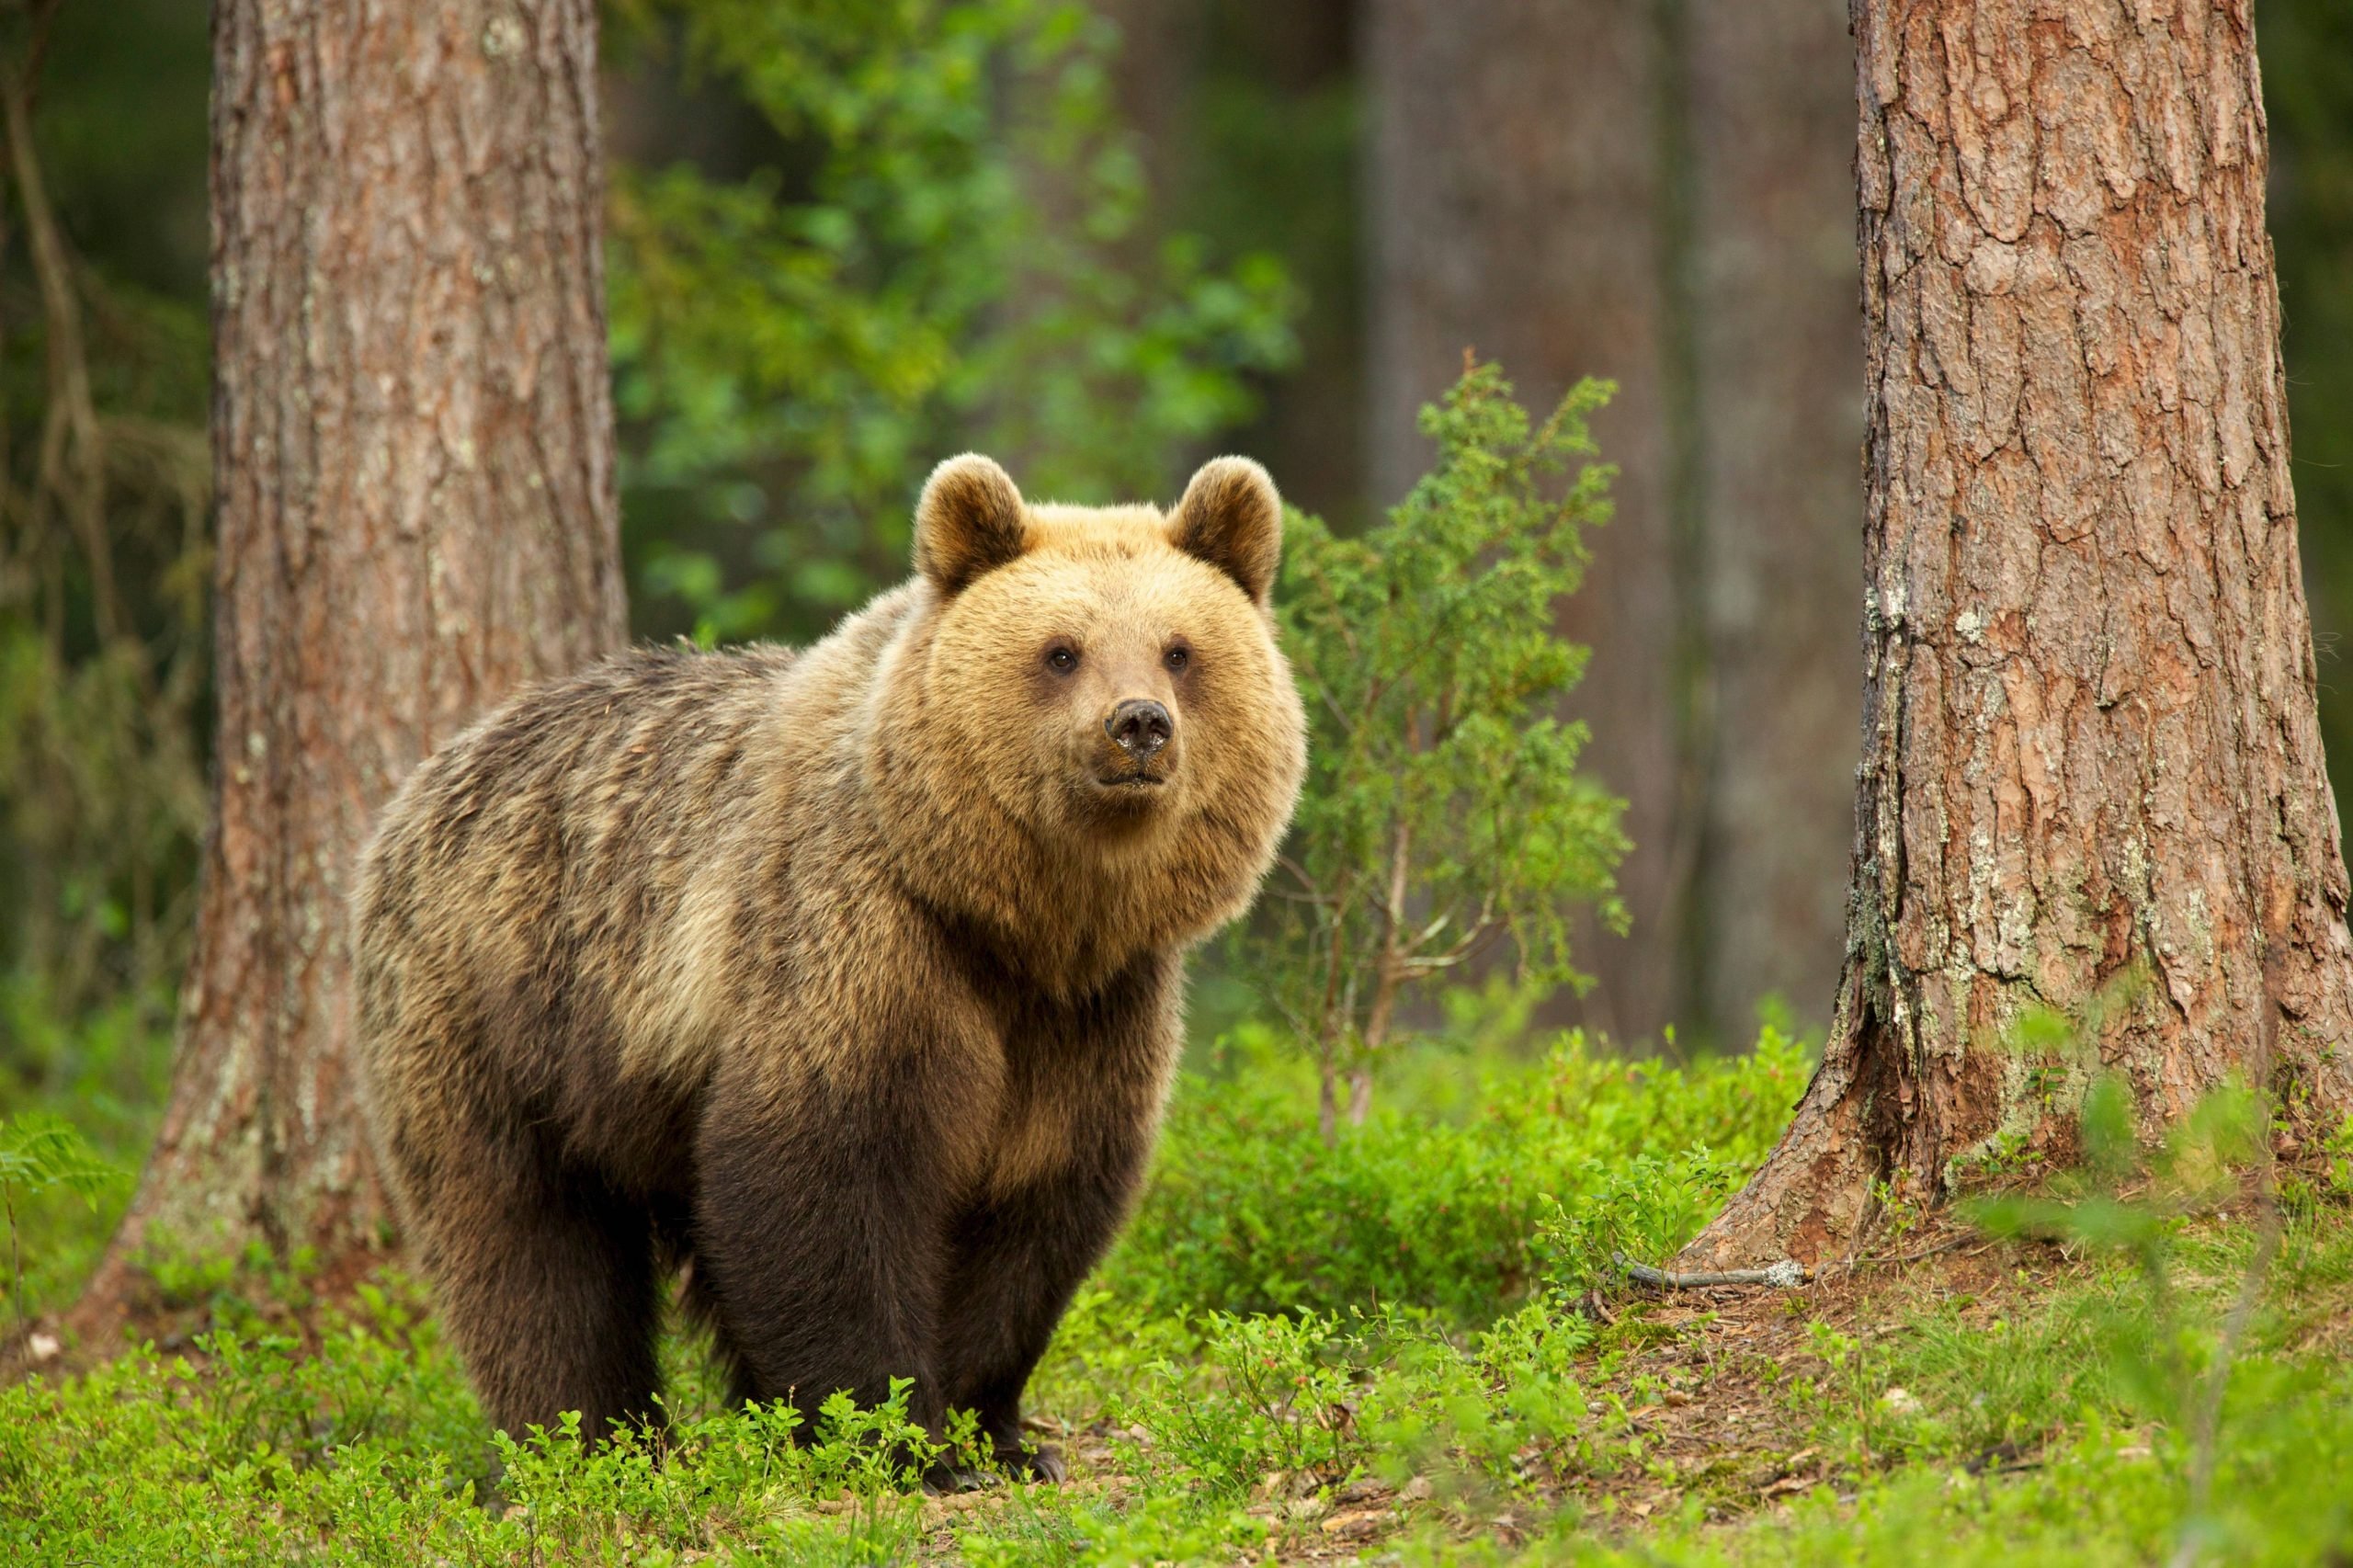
(969, 521)
(1231, 518)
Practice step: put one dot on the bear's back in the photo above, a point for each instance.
(533, 891)
(584, 781)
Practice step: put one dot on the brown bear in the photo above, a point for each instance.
(851, 980)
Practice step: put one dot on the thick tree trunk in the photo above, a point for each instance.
(1657, 193)
(2091, 747)
(413, 451)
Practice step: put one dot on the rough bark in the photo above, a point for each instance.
(413, 457)
(2090, 744)
(1658, 193)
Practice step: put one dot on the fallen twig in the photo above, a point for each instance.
(1784, 1274)
(1781, 1276)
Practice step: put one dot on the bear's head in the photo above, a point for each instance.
(1089, 740)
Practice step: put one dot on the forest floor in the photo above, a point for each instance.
(1411, 1346)
(1733, 1407)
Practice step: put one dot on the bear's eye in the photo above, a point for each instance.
(1176, 658)
(1062, 658)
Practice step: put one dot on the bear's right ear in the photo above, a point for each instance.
(969, 521)
(1231, 518)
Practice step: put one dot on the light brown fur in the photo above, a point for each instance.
(853, 977)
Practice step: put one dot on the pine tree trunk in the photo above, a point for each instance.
(413, 455)
(2091, 747)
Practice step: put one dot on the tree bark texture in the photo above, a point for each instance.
(2090, 745)
(412, 448)
(1656, 193)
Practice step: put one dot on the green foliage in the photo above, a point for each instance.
(1281, 1400)
(2335, 1182)
(946, 252)
(1234, 1434)
(1289, 1407)
(2097, 1499)
(2058, 1387)
(102, 1073)
(2194, 1167)
(1443, 812)
(725, 1473)
(1545, 1167)
(2180, 1369)
(1473, 1412)
(40, 1153)
(369, 1450)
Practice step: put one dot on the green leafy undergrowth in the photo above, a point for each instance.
(1243, 1438)
(2000, 1405)
(370, 1450)
(1996, 1403)
(42, 1154)
(1472, 1178)
(96, 1081)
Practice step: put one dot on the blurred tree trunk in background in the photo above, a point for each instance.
(2308, 102)
(413, 458)
(1778, 358)
(1512, 203)
(2091, 752)
(105, 486)
(1657, 194)
(1246, 118)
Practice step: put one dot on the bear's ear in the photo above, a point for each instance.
(1231, 518)
(969, 521)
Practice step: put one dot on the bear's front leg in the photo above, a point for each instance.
(818, 1217)
(1017, 1258)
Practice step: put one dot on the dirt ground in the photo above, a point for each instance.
(1697, 1388)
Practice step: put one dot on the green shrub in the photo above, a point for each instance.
(1443, 818)
(1282, 1398)
(1546, 1167)
(42, 1154)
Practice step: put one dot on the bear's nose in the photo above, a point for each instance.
(1139, 726)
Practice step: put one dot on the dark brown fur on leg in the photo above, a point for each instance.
(817, 1236)
(1019, 1252)
(1018, 1260)
(549, 1291)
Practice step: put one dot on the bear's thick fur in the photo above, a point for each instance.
(851, 979)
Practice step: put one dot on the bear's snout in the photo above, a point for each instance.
(1139, 727)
